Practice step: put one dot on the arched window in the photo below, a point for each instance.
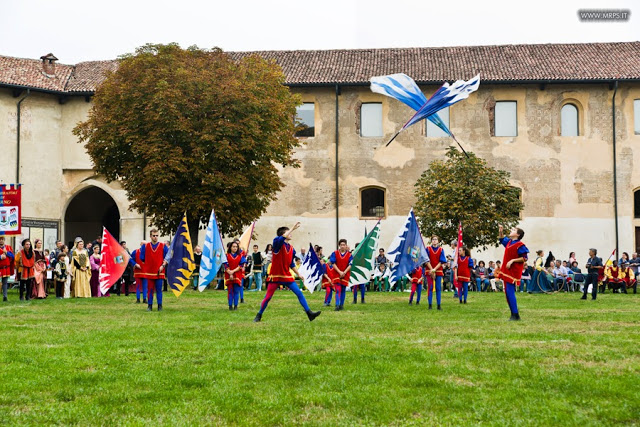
(569, 120)
(636, 203)
(372, 202)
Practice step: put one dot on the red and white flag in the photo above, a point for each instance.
(113, 261)
(458, 284)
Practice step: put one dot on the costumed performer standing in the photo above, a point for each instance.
(152, 256)
(515, 255)
(341, 262)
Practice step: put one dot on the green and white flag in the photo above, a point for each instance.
(363, 264)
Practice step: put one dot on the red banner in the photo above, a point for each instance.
(113, 261)
(10, 209)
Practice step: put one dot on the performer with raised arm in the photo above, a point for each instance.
(341, 262)
(282, 265)
(515, 255)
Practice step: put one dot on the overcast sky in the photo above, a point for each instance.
(81, 30)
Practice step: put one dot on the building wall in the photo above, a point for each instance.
(567, 182)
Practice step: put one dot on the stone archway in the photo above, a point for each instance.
(87, 212)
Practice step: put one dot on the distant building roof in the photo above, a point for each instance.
(498, 64)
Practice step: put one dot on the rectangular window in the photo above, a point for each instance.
(371, 119)
(636, 116)
(305, 115)
(433, 130)
(506, 122)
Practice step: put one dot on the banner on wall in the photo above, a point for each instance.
(10, 206)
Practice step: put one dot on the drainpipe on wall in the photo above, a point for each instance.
(144, 225)
(615, 175)
(337, 170)
(18, 137)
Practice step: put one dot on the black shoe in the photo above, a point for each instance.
(514, 317)
(230, 308)
(593, 299)
(312, 315)
(430, 306)
(4, 299)
(235, 307)
(21, 298)
(355, 302)
(362, 302)
(149, 308)
(584, 297)
(460, 301)
(144, 300)
(159, 307)
(337, 308)
(138, 301)
(242, 301)
(257, 318)
(439, 308)
(417, 302)
(465, 301)
(410, 303)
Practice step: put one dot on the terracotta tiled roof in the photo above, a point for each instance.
(553, 62)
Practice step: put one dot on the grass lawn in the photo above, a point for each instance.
(108, 361)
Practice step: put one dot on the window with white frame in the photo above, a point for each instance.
(371, 119)
(506, 118)
(569, 120)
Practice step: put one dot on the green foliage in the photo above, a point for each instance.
(107, 361)
(191, 129)
(466, 189)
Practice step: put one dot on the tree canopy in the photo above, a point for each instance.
(191, 130)
(466, 189)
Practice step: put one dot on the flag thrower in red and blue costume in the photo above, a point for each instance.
(404, 89)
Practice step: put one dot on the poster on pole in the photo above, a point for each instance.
(10, 209)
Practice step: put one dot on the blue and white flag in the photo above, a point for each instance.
(407, 251)
(405, 90)
(181, 260)
(212, 254)
(311, 270)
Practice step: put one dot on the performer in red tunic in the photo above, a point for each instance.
(515, 254)
(152, 256)
(234, 273)
(341, 262)
(6, 266)
(280, 274)
(435, 263)
(137, 264)
(416, 284)
(327, 282)
(462, 272)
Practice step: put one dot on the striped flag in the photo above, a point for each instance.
(311, 270)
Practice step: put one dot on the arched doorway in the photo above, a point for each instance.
(87, 212)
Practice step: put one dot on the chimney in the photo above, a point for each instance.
(49, 64)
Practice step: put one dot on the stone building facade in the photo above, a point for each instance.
(348, 177)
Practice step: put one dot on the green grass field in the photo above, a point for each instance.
(108, 361)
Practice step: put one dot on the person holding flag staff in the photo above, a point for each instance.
(462, 272)
(153, 256)
(435, 262)
(515, 255)
(282, 265)
(416, 284)
(234, 273)
(141, 285)
(341, 262)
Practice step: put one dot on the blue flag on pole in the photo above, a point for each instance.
(181, 260)
(212, 254)
(407, 251)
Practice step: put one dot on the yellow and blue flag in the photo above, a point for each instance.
(181, 260)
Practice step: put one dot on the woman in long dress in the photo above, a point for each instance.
(67, 259)
(81, 271)
(40, 271)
